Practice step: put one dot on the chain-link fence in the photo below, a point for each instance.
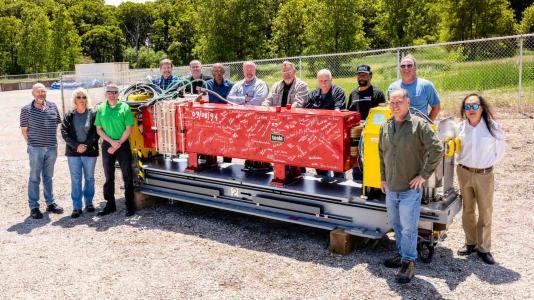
(502, 69)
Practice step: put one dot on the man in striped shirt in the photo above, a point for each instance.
(38, 123)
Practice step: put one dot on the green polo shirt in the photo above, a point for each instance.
(114, 120)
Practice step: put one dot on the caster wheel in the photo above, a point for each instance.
(425, 251)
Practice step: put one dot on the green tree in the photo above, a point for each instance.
(341, 32)
(88, 13)
(289, 28)
(9, 28)
(103, 43)
(181, 32)
(231, 30)
(65, 48)
(135, 20)
(471, 19)
(405, 22)
(34, 36)
(527, 22)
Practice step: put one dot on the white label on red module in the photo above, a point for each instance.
(205, 115)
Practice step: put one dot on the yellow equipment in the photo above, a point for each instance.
(371, 158)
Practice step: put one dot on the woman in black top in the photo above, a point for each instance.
(79, 132)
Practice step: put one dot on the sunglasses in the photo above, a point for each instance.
(471, 106)
(112, 92)
(81, 97)
(406, 66)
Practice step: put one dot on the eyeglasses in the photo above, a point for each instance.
(81, 97)
(112, 92)
(471, 106)
(409, 66)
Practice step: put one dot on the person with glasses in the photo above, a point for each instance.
(422, 92)
(218, 84)
(114, 123)
(79, 132)
(38, 125)
(482, 146)
(409, 151)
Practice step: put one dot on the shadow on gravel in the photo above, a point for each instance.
(297, 242)
(29, 224)
(445, 266)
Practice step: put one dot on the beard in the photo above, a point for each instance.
(363, 82)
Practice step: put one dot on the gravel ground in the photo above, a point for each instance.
(184, 251)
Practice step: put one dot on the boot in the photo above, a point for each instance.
(406, 272)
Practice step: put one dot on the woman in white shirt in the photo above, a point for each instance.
(482, 146)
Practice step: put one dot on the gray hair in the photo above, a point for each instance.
(324, 72)
(288, 63)
(249, 63)
(83, 91)
(411, 57)
(218, 65)
(38, 85)
(404, 92)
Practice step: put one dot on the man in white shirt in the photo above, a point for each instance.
(253, 89)
(482, 146)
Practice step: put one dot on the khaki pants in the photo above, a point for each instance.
(476, 190)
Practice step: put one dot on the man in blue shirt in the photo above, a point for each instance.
(218, 84)
(422, 92)
(166, 79)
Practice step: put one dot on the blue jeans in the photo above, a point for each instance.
(42, 160)
(82, 166)
(403, 215)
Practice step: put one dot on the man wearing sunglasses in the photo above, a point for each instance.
(114, 123)
(422, 92)
(38, 124)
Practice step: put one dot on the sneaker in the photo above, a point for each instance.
(106, 211)
(467, 249)
(76, 213)
(406, 272)
(35, 213)
(54, 208)
(486, 257)
(393, 262)
(130, 212)
(90, 208)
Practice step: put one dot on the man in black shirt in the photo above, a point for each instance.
(362, 99)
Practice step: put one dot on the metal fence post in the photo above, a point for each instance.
(520, 83)
(398, 63)
(62, 95)
(300, 67)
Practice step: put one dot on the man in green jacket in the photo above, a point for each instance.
(409, 153)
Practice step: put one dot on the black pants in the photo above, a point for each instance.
(124, 156)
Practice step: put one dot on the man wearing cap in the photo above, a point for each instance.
(289, 90)
(166, 79)
(114, 123)
(362, 99)
(38, 124)
(422, 92)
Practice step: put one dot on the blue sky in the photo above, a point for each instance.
(117, 2)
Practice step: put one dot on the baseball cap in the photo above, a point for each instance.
(363, 69)
(112, 88)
